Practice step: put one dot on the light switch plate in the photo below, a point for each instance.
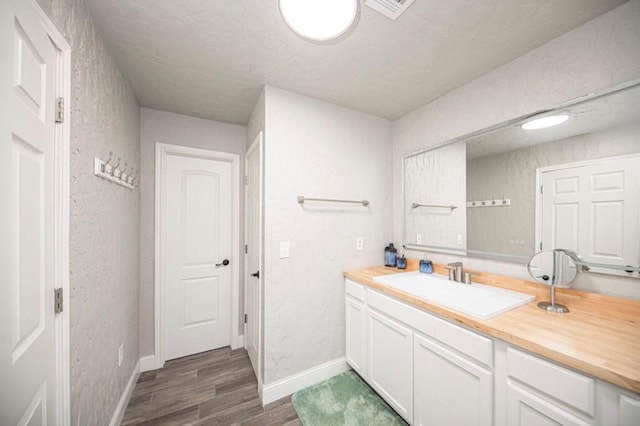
(359, 243)
(284, 249)
(418, 239)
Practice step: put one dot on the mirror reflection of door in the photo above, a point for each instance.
(592, 208)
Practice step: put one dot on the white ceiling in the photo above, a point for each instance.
(210, 58)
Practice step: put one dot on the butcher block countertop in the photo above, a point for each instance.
(600, 336)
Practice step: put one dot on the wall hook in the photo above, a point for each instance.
(113, 170)
(104, 166)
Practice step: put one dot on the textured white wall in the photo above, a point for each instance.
(256, 120)
(317, 149)
(175, 129)
(437, 177)
(104, 221)
(495, 229)
(593, 57)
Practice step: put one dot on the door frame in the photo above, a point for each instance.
(163, 150)
(541, 170)
(61, 172)
(257, 142)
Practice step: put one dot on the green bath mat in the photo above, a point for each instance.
(343, 400)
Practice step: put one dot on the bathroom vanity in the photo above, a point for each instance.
(438, 366)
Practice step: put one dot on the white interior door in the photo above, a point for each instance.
(27, 328)
(593, 209)
(198, 251)
(253, 217)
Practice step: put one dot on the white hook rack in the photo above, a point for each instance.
(501, 202)
(106, 171)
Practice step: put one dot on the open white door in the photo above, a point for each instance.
(253, 235)
(29, 343)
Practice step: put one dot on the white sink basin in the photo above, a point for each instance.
(477, 300)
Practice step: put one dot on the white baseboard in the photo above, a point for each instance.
(147, 363)
(126, 396)
(238, 342)
(285, 387)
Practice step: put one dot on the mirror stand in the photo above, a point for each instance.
(555, 268)
(552, 306)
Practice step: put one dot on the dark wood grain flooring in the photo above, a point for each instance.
(212, 388)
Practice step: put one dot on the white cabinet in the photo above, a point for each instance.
(448, 388)
(434, 372)
(356, 333)
(525, 408)
(390, 361)
(540, 392)
(629, 411)
(616, 407)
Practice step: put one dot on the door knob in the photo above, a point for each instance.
(224, 263)
(257, 274)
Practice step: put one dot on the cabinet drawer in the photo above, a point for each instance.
(466, 342)
(354, 290)
(565, 385)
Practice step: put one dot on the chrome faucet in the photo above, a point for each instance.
(455, 271)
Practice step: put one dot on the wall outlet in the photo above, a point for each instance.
(418, 239)
(359, 243)
(284, 249)
(459, 240)
(120, 354)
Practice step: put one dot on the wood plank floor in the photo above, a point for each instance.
(212, 388)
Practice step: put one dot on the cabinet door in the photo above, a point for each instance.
(448, 388)
(527, 409)
(390, 362)
(629, 414)
(356, 334)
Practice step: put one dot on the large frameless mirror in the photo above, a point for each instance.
(509, 192)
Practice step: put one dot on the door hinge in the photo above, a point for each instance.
(60, 110)
(541, 189)
(245, 318)
(540, 245)
(246, 180)
(57, 300)
(246, 249)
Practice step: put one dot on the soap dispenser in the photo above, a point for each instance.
(401, 262)
(390, 253)
(426, 266)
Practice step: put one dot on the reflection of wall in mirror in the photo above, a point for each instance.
(512, 175)
(438, 178)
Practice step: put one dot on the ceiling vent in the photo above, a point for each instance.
(389, 8)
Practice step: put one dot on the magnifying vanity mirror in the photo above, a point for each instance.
(508, 192)
(555, 268)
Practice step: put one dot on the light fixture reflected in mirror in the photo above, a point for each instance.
(319, 20)
(544, 122)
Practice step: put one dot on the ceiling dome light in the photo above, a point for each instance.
(319, 20)
(544, 122)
